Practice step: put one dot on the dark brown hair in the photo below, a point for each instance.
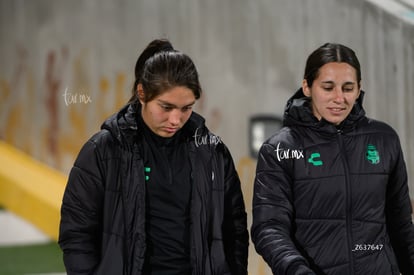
(330, 52)
(160, 68)
(166, 70)
(152, 48)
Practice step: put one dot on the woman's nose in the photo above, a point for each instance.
(339, 95)
(175, 117)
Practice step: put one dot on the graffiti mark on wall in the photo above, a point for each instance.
(10, 94)
(53, 82)
(39, 115)
(52, 115)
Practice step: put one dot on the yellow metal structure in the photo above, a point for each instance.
(31, 189)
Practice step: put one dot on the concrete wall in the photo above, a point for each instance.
(67, 65)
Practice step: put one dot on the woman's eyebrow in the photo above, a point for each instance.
(332, 82)
(173, 105)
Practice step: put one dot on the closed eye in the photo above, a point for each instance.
(348, 88)
(187, 108)
(330, 88)
(167, 107)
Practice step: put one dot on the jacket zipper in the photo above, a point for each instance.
(348, 200)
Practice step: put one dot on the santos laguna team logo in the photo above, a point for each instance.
(372, 154)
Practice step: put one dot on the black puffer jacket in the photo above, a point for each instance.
(332, 200)
(102, 229)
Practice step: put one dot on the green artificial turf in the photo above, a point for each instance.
(31, 259)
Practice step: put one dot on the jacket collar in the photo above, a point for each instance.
(298, 112)
(124, 127)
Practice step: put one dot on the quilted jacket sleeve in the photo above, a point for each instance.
(80, 224)
(399, 214)
(235, 220)
(272, 215)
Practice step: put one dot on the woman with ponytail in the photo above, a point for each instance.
(155, 192)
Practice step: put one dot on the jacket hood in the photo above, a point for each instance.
(124, 127)
(298, 111)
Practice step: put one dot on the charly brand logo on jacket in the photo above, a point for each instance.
(372, 154)
(206, 139)
(283, 153)
(315, 159)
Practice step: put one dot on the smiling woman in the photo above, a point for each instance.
(333, 92)
(331, 193)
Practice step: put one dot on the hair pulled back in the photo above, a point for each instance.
(160, 68)
(327, 53)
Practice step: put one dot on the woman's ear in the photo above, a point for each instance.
(140, 92)
(305, 88)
